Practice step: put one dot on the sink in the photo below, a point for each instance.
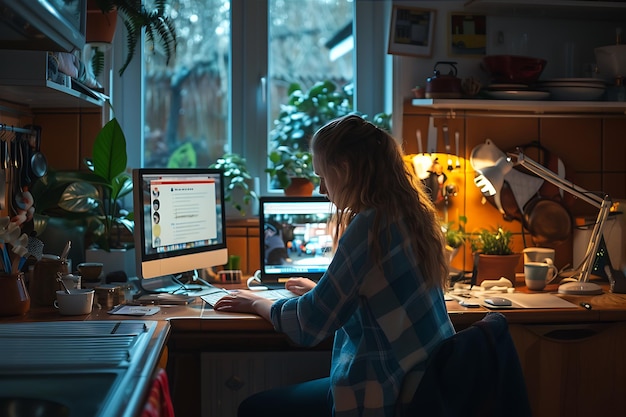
(83, 368)
(28, 407)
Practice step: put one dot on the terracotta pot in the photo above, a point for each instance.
(14, 297)
(100, 26)
(496, 266)
(300, 187)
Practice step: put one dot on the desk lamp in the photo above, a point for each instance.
(582, 286)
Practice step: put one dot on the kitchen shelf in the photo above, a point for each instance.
(534, 107)
(563, 9)
(24, 80)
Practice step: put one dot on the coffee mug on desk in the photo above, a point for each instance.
(75, 303)
(538, 254)
(538, 274)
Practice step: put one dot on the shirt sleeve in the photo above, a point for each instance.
(313, 317)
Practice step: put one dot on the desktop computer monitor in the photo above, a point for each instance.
(180, 224)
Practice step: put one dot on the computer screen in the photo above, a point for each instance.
(296, 237)
(180, 224)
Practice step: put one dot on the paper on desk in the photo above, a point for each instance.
(129, 310)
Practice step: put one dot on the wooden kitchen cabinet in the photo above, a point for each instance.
(230, 377)
(568, 370)
(586, 136)
(242, 239)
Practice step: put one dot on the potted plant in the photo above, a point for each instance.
(455, 236)
(304, 113)
(136, 16)
(493, 254)
(239, 187)
(292, 170)
(93, 199)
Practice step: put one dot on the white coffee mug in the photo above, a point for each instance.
(538, 254)
(78, 301)
(538, 274)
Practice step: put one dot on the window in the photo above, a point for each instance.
(226, 86)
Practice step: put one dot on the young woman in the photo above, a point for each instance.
(381, 297)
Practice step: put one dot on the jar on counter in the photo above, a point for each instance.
(109, 295)
(43, 283)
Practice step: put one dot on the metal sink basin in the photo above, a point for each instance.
(18, 407)
(84, 369)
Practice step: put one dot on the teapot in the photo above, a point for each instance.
(444, 85)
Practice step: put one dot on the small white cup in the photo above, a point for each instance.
(538, 254)
(538, 274)
(78, 301)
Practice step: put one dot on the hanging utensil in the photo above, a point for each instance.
(456, 141)
(421, 162)
(446, 141)
(38, 165)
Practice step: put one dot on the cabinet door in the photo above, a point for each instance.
(573, 370)
(228, 378)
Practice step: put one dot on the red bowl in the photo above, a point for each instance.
(513, 69)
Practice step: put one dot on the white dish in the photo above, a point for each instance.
(575, 93)
(573, 85)
(508, 87)
(518, 95)
(593, 81)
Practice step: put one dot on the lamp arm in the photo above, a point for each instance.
(551, 177)
(604, 204)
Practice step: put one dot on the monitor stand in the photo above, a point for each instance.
(167, 284)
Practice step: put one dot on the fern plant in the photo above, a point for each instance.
(136, 16)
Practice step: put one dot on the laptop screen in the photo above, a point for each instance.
(295, 237)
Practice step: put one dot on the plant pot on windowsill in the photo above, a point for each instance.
(299, 187)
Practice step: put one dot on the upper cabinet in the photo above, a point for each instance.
(29, 75)
(570, 9)
(44, 25)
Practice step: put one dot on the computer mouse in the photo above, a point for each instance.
(498, 301)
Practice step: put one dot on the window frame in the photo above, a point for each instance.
(249, 65)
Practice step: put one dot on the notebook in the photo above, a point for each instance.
(295, 238)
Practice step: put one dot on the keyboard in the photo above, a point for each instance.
(217, 293)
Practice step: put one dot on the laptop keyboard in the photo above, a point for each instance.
(212, 297)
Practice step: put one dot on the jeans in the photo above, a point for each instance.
(306, 399)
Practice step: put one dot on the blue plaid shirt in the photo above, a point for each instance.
(385, 321)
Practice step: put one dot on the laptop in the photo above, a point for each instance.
(295, 238)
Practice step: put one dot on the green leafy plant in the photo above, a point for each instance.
(455, 236)
(303, 114)
(493, 242)
(92, 196)
(136, 17)
(238, 178)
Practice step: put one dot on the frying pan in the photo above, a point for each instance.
(37, 163)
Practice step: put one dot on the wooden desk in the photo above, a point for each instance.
(574, 359)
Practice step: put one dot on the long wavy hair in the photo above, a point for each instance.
(367, 166)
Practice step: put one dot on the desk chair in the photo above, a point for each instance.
(476, 372)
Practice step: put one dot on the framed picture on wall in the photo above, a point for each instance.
(412, 31)
(467, 34)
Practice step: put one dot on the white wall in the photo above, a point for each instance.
(559, 41)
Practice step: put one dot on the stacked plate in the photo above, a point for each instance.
(573, 89)
(514, 92)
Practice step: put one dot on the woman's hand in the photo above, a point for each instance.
(244, 301)
(299, 286)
